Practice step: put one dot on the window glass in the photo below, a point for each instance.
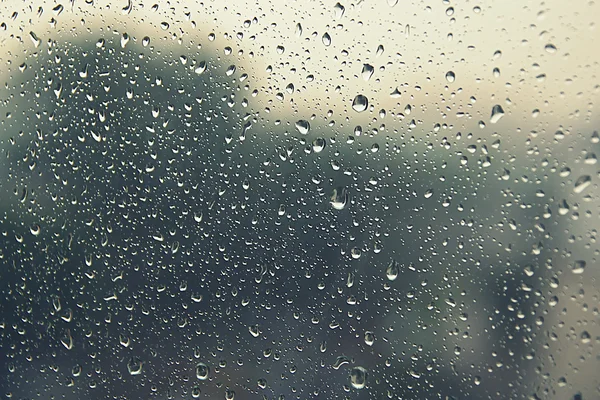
(363, 199)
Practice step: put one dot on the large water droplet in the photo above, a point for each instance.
(578, 267)
(367, 71)
(392, 270)
(318, 145)
(450, 77)
(582, 183)
(134, 366)
(202, 371)
(497, 113)
(358, 377)
(303, 126)
(360, 103)
(326, 39)
(339, 198)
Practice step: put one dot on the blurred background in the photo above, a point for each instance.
(302, 199)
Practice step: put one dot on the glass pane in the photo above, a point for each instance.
(299, 200)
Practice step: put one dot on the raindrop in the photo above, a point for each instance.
(392, 270)
(582, 183)
(303, 126)
(369, 338)
(298, 30)
(338, 10)
(326, 39)
(254, 330)
(200, 68)
(578, 267)
(358, 377)
(339, 361)
(497, 114)
(134, 366)
(339, 198)
(318, 145)
(202, 371)
(450, 77)
(360, 103)
(367, 71)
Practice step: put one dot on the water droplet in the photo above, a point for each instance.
(35, 230)
(563, 208)
(497, 114)
(585, 337)
(298, 30)
(200, 68)
(450, 77)
(358, 377)
(134, 366)
(339, 198)
(582, 183)
(339, 361)
(392, 270)
(578, 267)
(229, 394)
(124, 40)
(303, 126)
(428, 193)
(550, 48)
(254, 330)
(262, 383)
(379, 50)
(318, 145)
(202, 371)
(360, 103)
(338, 10)
(35, 40)
(369, 338)
(326, 39)
(355, 253)
(367, 71)
(392, 3)
(230, 70)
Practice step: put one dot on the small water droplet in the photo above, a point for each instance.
(369, 338)
(379, 50)
(450, 77)
(326, 39)
(298, 30)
